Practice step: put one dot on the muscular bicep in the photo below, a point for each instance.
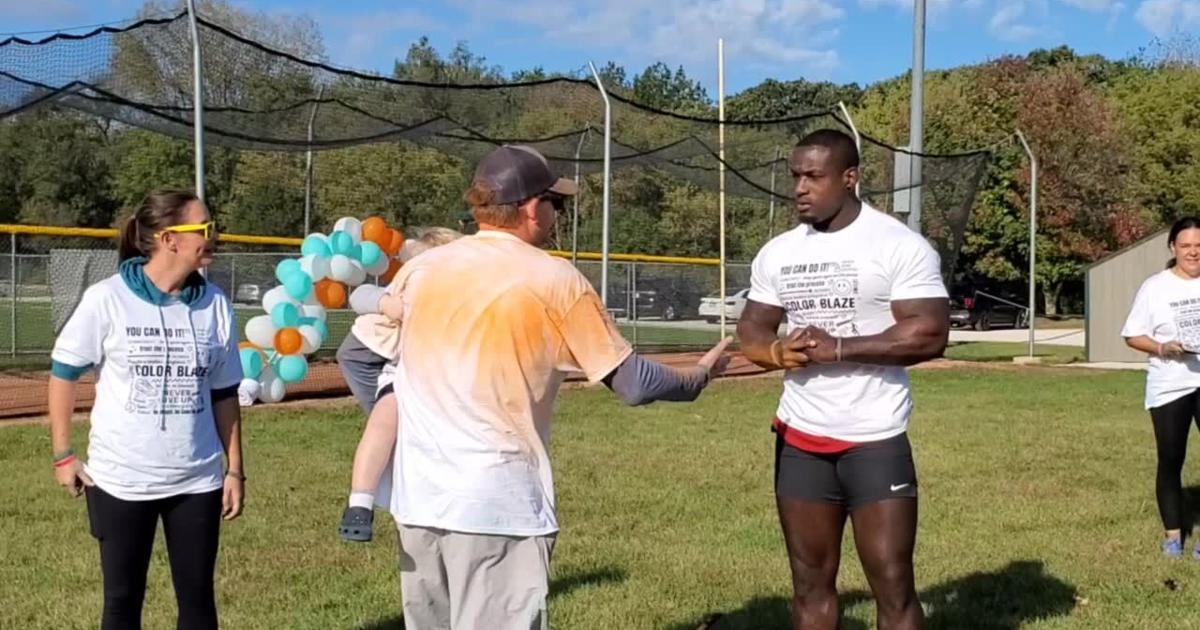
(928, 316)
(759, 319)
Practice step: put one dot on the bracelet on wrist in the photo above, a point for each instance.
(837, 351)
(66, 461)
(778, 360)
(63, 454)
(236, 474)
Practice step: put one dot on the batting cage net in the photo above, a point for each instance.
(265, 102)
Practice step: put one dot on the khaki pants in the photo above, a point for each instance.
(456, 581)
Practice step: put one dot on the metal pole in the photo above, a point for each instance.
(12, 294)
(308, 165)
(575, 208)
(197, 99)
(721, 151)
(634, 295)
(771, 208)
(857, 143)
(916, 120)
(1033, 170)
(607, 185)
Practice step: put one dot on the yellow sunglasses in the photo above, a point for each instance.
(209, 229)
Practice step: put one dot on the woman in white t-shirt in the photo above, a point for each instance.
(1165, 323)
(164, 345)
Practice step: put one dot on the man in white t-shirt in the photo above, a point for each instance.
(863, 297)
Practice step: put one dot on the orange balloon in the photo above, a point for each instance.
(330, 293)
(395, 242)
(393, 267)
(288, 341)
(375, 230)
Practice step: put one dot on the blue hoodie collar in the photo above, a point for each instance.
(133, 272)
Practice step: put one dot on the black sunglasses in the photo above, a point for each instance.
(558, 201)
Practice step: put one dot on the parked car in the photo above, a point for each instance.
(668, 298)
(735, 303)
(248, 294)
(984, 312)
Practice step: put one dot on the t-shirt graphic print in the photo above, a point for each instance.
(844, 282)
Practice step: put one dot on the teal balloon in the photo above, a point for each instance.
(292, 368)
(370, 254)
(314, 245)
(286, 268)
(297, 284)
(341, 243)
(318, 324)
(252, 363)
(285, 315)
(356, 252)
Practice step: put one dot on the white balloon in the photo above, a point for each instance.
(260, 331)
(340, 268)
(275, 297)
(313, 310)
(380, 267)
(248, 391)
(317, 267)
(310, 339)
(272, 389)
(351, 226)
(359, 274)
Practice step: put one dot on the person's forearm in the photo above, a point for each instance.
(908, 342)
(229, 427)
(760, 347)
(61, 405)
(639, 381)
(1144, 344)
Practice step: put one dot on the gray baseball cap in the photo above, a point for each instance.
(517, 172)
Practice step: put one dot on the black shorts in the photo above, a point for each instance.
(867, 473)
(384, 391)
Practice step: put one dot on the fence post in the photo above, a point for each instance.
(633, 297)
(12, 297)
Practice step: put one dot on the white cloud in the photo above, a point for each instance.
(1011, 22)
(683, 31)
(1164, 17)
(1092, 5)
(364, 33)
(935, 10)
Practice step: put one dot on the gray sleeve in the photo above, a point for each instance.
(365, 298)
(639, 381)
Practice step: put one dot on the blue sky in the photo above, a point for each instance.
(837, 40)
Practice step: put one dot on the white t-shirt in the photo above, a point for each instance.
(491, 325)
(844, 282)
(153, 434)
(1167, 308)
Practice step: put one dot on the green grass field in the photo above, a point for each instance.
(1037, 512)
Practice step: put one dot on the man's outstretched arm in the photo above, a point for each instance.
(640, 381)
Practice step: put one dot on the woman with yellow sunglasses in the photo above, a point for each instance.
(165, 440)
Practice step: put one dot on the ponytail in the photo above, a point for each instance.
(129, 246)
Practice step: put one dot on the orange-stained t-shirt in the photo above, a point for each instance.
(490, 327)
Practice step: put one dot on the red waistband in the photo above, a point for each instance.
(808, 442)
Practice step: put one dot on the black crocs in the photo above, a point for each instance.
(356, 524)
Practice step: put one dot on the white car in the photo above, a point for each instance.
(735, 302)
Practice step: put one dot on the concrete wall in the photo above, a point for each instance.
(1111, 286)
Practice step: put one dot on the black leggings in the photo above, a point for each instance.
(1172, 422)
(125, 529)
